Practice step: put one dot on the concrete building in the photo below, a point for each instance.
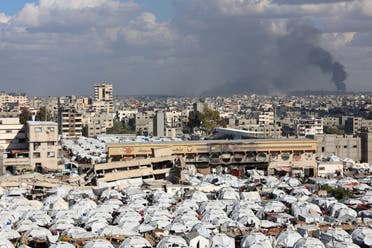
(12, 132)
(199, 106)
(343, 146)
(144, 123)
(353, 125)
(366, 146)
(266, 118)
(13, 145)
(70, 123)
(95, 124)
(159, 124)
(43, 145)
(311, 126)
(7, 98)
(266, 131)
(103, 97)
(24, 147)
(289, 156)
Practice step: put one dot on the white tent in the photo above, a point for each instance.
(174, 241)
(9, 234)
(274, 206)
(62, 245)
(4, 243)
(287, 239)
(335, 235)
(99, 243)
(256, 239)
(112, 231)
(362, 236)
(135, 242)
(309, 243)
(221, 240)
(40, 233)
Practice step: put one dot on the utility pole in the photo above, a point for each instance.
(275, 134)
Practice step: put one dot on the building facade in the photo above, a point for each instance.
(343, 146)
(311, 126)
(159, 124)
(103, 97)
(43, 145)
(70, 123)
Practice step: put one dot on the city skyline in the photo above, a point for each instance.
(54, 47)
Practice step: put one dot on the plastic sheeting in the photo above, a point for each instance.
(287, 239)
(257, 240)
(135, 242)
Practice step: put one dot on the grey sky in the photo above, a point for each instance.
(63, 47)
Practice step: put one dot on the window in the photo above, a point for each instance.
(51, 154)
(50, 129)
(36, 155)
(38, 129)
(36, 145)
(50, 143)
(9, 131)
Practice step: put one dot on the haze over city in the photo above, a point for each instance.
(194, 47)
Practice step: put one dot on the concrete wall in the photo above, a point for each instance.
(344, 146)
(366, 147)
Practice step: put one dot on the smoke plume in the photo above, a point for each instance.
(322, 58)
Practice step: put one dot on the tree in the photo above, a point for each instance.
(25, 115)
(119, 128)
(195, 119)
(208, 120)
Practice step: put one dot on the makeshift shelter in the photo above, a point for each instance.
(195, 240)
(98, 243)
(287, 239)
(257, 240)
(334, 235)
(172, 241)
(135, 242)
(221, 240)
(362, 236)
(4, 243)
(62, 245)
(309, 243)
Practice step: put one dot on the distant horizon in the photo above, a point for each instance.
(194, 47)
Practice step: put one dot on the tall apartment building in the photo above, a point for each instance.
(103, 100)
(366, 145)
(12, 98)
(43, 145)
(159, 124)
(266, 118)
(23, 147)
(311, 126)
(12, 132)
(353, 125)
(144, 123)
(70, 123)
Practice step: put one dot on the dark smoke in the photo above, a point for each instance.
(322, 58)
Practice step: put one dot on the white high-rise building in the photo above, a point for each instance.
(103, 100)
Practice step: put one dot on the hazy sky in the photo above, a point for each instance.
(184, 47)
